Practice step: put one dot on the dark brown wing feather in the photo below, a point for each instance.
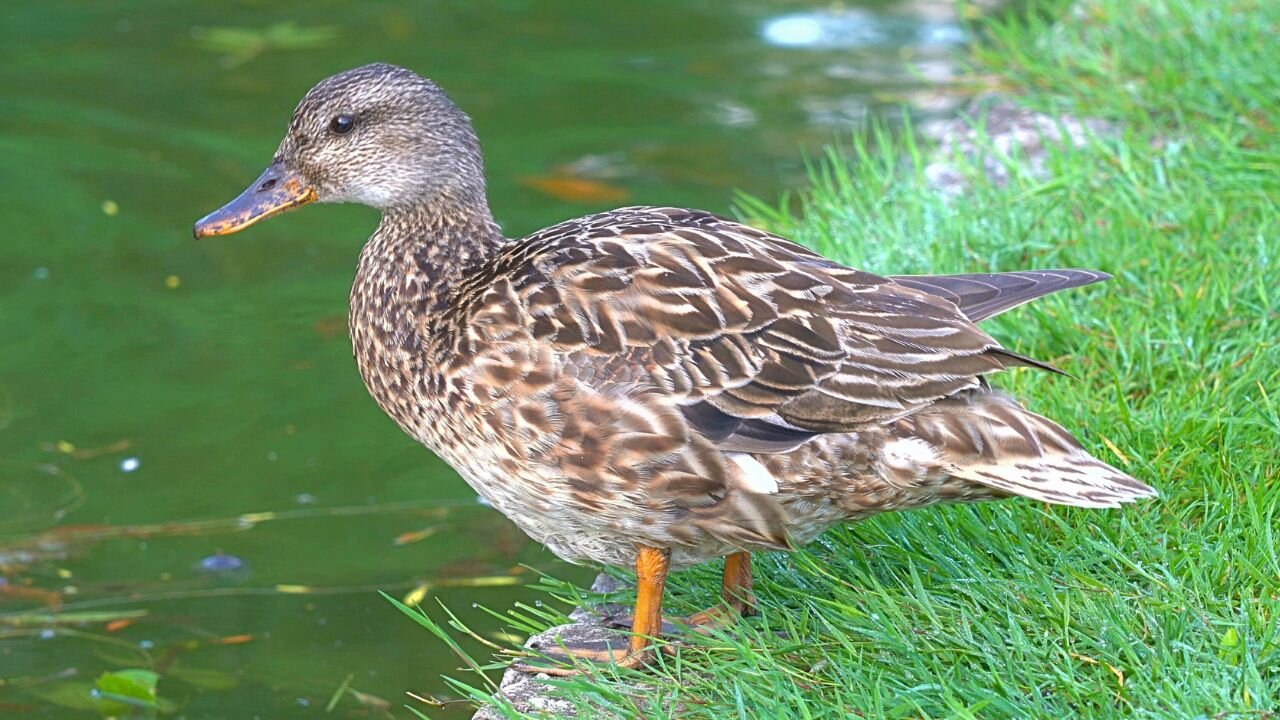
(752, 324)
(983, 295)
(633, 349)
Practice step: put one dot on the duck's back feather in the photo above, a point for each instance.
(983, 295)
(721, 313)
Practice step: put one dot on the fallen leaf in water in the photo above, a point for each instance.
(330, 327)
(68, 448)
(240, 44)
(367, 700)
(48, 598)
(69, 618)
(234, 640)
(414, 536)
(293, 589)
(483, 581)
(72, 694)
(118, 625)
(575, 189)
(127, 693)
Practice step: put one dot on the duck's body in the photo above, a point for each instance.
(657, 386)
(666, 377)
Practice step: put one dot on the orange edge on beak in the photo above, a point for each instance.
(276, 191)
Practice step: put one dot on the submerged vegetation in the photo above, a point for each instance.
(1014, 609)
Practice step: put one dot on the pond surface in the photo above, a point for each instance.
(186, 449)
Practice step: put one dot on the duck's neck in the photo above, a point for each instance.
(419, 253)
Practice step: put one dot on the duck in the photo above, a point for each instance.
(658, 387)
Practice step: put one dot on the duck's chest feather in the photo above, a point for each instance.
(589, 457)
(470, 385)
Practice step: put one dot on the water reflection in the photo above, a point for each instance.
(193, 478)
(849, 28)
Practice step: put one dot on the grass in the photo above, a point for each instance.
(1169, 609)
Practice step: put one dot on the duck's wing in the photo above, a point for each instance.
(761, 342)
(983, 295)
(638, 351)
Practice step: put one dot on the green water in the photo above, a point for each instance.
(163, 401)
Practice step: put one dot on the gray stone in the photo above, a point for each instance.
(528, 694)
(526, 691)
(994, 131)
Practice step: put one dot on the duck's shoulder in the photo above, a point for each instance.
(647, 224)
(678, 240)
(681, 262)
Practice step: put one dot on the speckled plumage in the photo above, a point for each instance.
(660, 376)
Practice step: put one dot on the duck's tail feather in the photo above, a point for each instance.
(988, 439)
(983, 295)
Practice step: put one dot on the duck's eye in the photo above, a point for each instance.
(342, 124)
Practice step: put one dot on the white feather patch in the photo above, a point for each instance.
(908, 454)
(755, 476)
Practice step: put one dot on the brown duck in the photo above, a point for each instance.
(657, 387)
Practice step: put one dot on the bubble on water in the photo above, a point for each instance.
(305, 499)
(537, 603)
(271, 455)
(40, 273)
(793, 30)
(48, 634)
(824, 29)
(483, 502)
(475, 605)
(221, 562)
(130, 464)
(942, 34)
(304, 702)
(146, 644)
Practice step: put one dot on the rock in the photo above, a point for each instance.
(526, 692)
(992, 131)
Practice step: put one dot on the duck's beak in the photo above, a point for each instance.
(278, 190)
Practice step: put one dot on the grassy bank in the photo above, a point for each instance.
(1167, 609)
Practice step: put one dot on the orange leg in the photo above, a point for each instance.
(651, 576)
(736, 600)
(736, 597)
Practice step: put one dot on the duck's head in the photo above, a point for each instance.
(379, 135)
